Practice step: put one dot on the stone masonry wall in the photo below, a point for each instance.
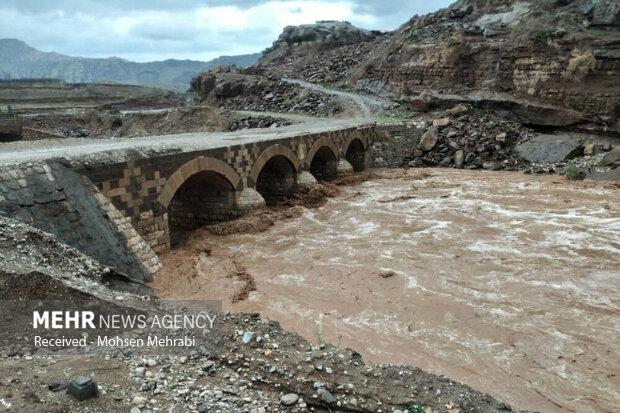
(55, 199)
(393, 143)
(29, 134)
(134, 242)
(134, 186)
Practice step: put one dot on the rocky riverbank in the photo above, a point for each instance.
(463, 137)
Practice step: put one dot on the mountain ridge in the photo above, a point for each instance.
(18, 60)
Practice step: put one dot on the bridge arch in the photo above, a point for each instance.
(201, 192)
(322, 159)
(201, 164)
(354, 150)
(275, 172)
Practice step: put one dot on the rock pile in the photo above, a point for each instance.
(285, 97)
(24, 249)
(253, 366)
(238, 91)
(573, 155)
(471, 138)
(331, 65)
(464, 138)
(252, 122)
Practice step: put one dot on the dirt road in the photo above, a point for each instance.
(364, 106)
(27, 151)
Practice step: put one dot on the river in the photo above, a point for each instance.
(506, 282)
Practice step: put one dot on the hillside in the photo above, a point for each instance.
(19, 61)
(565, 53)
(492, 84)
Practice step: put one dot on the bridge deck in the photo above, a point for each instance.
(118, 150)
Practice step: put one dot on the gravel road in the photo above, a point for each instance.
(366, 106)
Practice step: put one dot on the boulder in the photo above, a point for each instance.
(459, 159)
(441, 123)
(492, 166)
(429, 139)
(611, 158)
(458, 110)
(248, 336)
(230, 89)
(544, 115)
(446, 161)
(326, 396)
(420, 104)
(289, 399)
(83, 387)
(416, 162)
(550, 148)
(462, 12)
(203, 84)
(470, 157)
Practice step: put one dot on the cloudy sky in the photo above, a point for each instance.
(145, 30)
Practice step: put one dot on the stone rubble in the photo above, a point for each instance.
(252, 122)
(470, 139)
(240, 90)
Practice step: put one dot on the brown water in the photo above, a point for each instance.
(506, 282)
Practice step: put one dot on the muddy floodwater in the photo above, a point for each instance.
(506, 282)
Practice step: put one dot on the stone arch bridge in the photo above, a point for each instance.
(166, 194)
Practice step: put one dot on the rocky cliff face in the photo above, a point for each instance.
(561, 52)
(325, 51)
(515, 67)
(324, 33)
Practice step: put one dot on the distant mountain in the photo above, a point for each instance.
(19, 61)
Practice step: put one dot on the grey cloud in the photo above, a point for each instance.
(408, 7)
(393, 13)
(85, 27)
(158, 33)
(101, 6)
(404, 8)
